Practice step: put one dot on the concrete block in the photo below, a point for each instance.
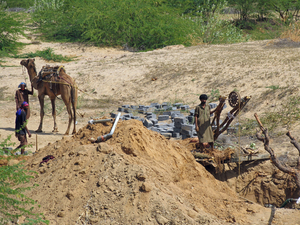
(128, 110)
(151, 116)
(213, 105)
(181, 120)
(167, 135)
(135, 117)
(177, 105)
(192, 112)
(176, 135)
(147, 123)
(163, 117)
(177, 130)
(113, 115)
(184, 107)
(125, 106)
(134, 107)
(129, 115)
(187, 133)
(120, 109)
(167, 113)
(154, 121)
(190, 119)
(127, 118)
(187, 127)
(153, 104)
(158, 106)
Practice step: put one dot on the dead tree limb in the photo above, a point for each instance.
(263, 136)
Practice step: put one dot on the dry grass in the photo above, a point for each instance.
(293, 32)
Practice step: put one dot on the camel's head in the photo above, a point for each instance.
(28, 63)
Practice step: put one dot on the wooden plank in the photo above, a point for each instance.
(250, 158)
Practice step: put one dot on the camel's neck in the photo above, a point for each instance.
(31, 73)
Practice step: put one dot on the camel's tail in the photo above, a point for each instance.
(74, 101)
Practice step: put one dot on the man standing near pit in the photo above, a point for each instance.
(22, 96)
(21, 127)
(202, 123)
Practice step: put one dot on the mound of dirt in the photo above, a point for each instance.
(136, 177)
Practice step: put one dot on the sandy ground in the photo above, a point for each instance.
(108, 78)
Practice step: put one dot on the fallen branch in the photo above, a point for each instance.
(263, 136)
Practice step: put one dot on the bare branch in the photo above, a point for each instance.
(294, 172)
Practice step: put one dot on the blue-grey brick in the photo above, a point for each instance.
(158, 106)
(176, 135)
(184, 107)
(163, 117)
(167, 113)
(147, 123)
(192, 112)
(154, 121)
(127, 118)
(128, 110)
(190, 119)
(180, 120)
(135, 117)
(213, 105)
(167, 135)
(128, 115)
(178, 105)
(187, 127)
(134, 107)
(120, 109)
(186, 132)
(113, 115)
(153, 104)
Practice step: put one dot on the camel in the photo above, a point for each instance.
(64, 86)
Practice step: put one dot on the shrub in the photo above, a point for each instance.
(46, 54)
(13, 203)
(10, 27)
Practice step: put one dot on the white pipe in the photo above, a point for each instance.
(107, 136)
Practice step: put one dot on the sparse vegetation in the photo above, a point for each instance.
(46, 54)
(273, 87)
(13, 203)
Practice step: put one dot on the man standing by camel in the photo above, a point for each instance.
(22, 96)
(202, 123)
(21, 127)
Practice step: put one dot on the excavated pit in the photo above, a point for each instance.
(136, 177)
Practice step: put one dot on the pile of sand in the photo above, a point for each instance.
(136, 177)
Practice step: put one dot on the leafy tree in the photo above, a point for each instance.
(287, 9)
(245, 7)
(10, 27)
(13, 203)
(19, 3)
(206, 8)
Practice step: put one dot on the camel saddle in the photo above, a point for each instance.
(47, 72)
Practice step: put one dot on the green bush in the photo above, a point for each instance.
(46, 54)
(13, 203)
(10, 27)
(138, 24)
(19, 3)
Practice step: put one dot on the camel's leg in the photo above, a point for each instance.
(67, 101)
(41, 100)
(74, 105)
(54, 115)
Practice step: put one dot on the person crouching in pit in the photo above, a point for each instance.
(21, 127)
(202, 123)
